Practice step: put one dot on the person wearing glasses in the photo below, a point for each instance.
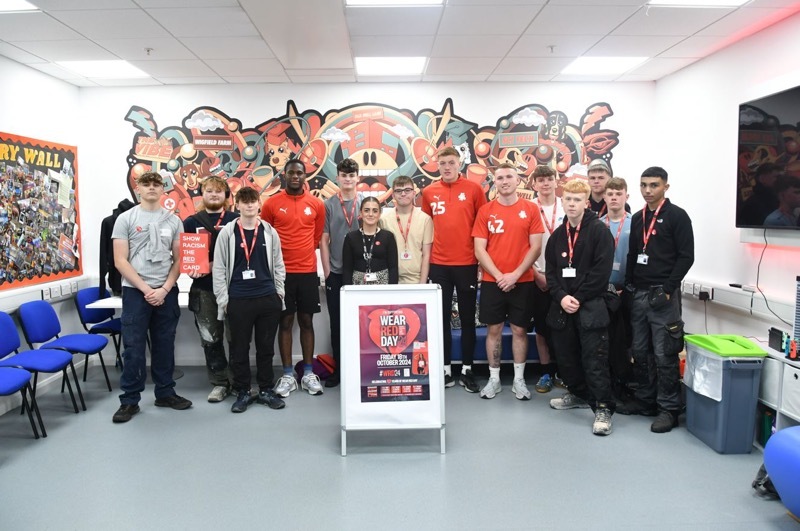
(453, 203)
(413, 232)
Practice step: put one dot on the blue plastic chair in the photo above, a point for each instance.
(99, 320)
(14, 380)
(40, 325)
(36, 360)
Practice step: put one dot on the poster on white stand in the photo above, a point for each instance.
(391, 355)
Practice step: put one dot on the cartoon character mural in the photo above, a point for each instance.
(385, 141)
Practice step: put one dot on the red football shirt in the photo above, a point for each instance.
(299, 220)
(453, 207)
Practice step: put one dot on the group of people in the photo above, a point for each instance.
(774, 201)
(600, 285)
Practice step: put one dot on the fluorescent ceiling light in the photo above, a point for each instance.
(13, 6)
(390, 66)
(589, 66)
(103, 69)
(697, 3)
(384, 3)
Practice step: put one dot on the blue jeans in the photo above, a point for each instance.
(138, 318)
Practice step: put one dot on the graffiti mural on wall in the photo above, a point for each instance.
(39, 220)
(385, 141)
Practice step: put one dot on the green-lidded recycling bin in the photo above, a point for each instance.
(722, 377)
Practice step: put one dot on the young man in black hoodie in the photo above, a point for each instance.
(579, 258)
(660, 254)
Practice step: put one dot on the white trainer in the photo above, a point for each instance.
(286, 384)
(218, 394)
(491, 388)
(520, 389)
(602, 422)
(311, 383)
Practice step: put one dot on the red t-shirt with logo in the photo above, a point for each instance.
(453, 207)
(299, 220)
(507, 230)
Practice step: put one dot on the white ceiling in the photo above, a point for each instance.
(314, 41)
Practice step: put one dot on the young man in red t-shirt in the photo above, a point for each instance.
(299, 218)
(508, 239)
(453, 203)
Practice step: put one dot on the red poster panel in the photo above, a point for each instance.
(39, 220)
(394, 353)
(194, 252)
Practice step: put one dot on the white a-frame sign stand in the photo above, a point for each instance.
(392, 372)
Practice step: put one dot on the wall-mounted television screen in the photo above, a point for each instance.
(768, 165)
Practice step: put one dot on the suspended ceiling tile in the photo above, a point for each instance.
(632, 45)
(579, 20)
(470, 46)
(257, 79)
(393, 20)
(228, 68)
(111, 23)
(33, 27)
(454, 78)
(320, 72)
(181, 68)
(187, 3)
(670, 21)
(533, 65)
(203, 80)
(391, 45)
(695, 47)
(341, 78)
(72, 50)
(136, 82)
(19, 55)
(461, 65)
(563, 45)
(71, 5)
(526, 78)
(211, 21)
(228, 47)
(487, 20)
(585, 79)
(56, 71)
(740, 20)
(162, 49)
(662, 66)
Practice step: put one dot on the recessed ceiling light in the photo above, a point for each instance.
(15, 6)
(697, 3)
(588, 66)
(390, 66)
(391, 3)
(103, 69)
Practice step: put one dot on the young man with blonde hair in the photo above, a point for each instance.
(212, 216)
(413, 232)
(508, 238)
(453, 204)
(579, 259)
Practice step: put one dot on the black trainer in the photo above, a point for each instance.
(270, 399)
(125, 413)
(635, 406)
(332, 381)
(243, 400)
(467, 380)
(448, 380)
(664, 422)
(173, 401)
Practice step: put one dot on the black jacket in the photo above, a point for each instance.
(107, 266)
(670, 249)
(593, 259)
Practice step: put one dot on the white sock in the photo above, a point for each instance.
(519, 371)
(494, 372)
(465, 368)
(447, 370)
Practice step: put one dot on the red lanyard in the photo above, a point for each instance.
(552, 225)
(572, 241)
(348, 219)
(408, 228)
(646, 235)
(219, 221)
(602, 210)
(248, 252)
(619, 229)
